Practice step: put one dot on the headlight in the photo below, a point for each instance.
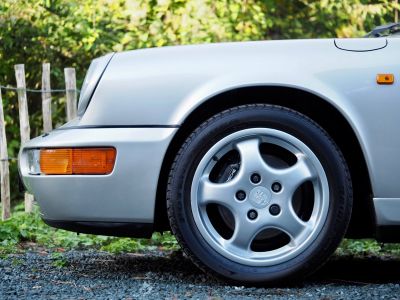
(93, 75)
(34, 161)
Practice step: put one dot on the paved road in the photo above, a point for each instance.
(161, 275)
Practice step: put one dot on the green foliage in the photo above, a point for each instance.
(326, 18)
(367, 247)
(164, 241)
(28, 230)
(359, 247)
(22, 229)
(70, 33)
(59, 260)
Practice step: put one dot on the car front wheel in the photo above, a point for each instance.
(259, 194)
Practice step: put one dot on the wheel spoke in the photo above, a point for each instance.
(219, 193)
(245, 232)
(290, 223)
(297, 174)
(250, 156)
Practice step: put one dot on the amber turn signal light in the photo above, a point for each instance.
(74, 161)
(385, 78)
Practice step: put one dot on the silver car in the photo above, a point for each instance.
(259, 156)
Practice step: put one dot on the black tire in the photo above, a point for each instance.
(252, 116)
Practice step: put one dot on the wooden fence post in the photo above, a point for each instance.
(4, 170)
(23, 120)
(70, 87)
(46, 98)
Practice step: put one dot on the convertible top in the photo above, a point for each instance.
(391, 29)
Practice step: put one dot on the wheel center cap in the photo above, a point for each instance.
(260, 197)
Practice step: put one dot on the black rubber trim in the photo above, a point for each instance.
(121, 229)
(117, 126)
(388, 234)
(369, 50)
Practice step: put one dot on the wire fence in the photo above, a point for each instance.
(11, 88)
(71, 93)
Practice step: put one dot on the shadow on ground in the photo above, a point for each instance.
(175, 267)
(367, 269)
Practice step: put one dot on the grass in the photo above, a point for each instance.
(24, 231)
(28, 230)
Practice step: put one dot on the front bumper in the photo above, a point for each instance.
(126, 195)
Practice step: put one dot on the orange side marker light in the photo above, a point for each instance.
(385, 79)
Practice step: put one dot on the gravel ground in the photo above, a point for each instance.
(165, 275)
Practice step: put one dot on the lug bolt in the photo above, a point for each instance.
(252, 214)
(274, 209)
(240, 195)
(276, 187)
(255, 178)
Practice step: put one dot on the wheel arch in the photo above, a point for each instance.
(315, 107)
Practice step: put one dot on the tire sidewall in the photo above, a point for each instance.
(263, 116)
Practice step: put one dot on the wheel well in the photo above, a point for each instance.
(327, 116)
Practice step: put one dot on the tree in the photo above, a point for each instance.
(70, 33)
